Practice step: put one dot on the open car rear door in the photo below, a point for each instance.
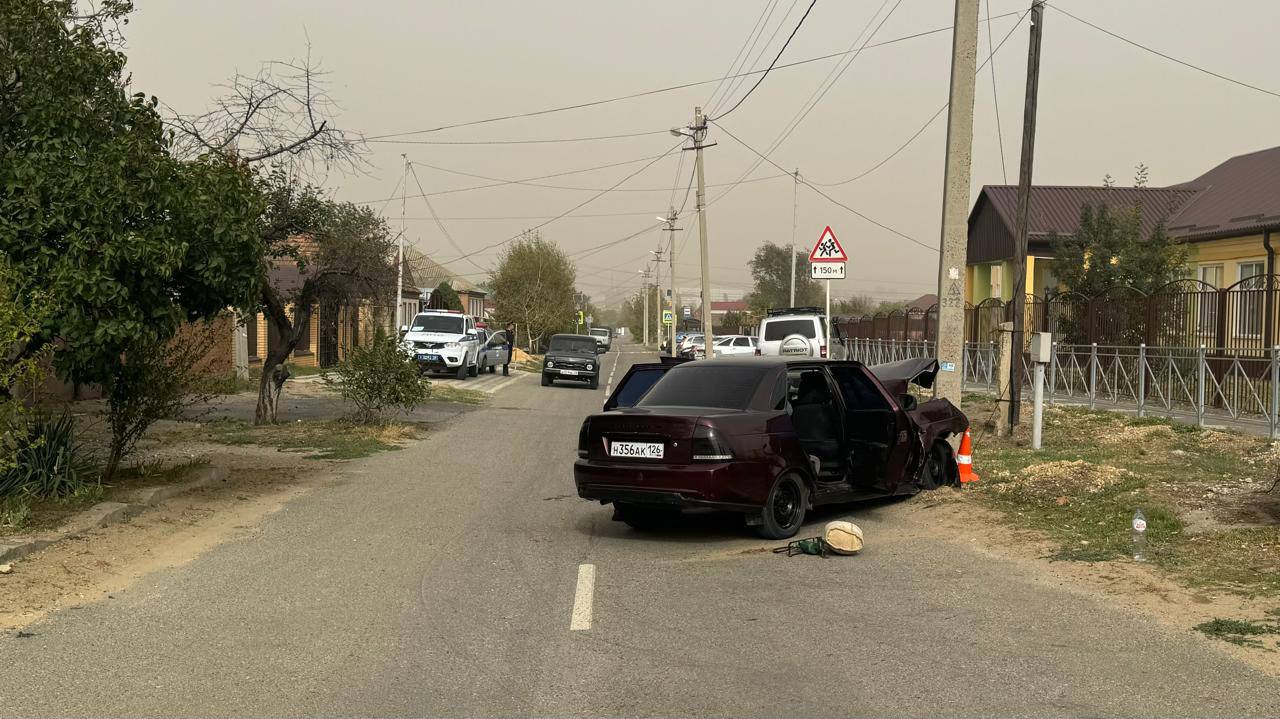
(635, 383)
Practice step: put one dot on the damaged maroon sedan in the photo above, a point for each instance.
(768, 437)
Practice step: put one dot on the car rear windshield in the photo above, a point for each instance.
(775, 330)
(705, 386)
(600, 333)
(451, 324)
(573, 344)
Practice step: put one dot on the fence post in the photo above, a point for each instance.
(1142, 379)
(1200, 386)
(1275, 391)
(1053, 373)
(1093, 374)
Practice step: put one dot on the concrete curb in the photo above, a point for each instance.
(107, 513)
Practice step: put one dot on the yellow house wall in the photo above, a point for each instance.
(1230, 253)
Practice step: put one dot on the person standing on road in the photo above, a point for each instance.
(511, 348)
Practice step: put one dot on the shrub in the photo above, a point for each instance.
(377, 377)
(48, 462)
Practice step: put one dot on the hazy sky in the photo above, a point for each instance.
(398, 66)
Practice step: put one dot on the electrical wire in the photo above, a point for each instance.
(931, 119)
(802, 181)
(995, 96)
(737, 82)
(733, 65)
(1166, 56)
(578, 206)
(443, 230)
(775, 61)
(543, 141)
(671, 88)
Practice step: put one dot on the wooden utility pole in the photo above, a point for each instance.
(955, 202)
(1022, 223)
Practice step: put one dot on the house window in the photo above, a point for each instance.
(251, 331)
(304, 338)
(996, 281)
(1207, 316)
(1250, 300)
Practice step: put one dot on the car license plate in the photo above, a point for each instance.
(429, 358)
(569, 371)
(645, 450)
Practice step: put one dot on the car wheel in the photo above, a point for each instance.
(641, 517)
(594, 383)
(546, 380)
(785, 509)
(474, 369)
(462, 371)
(934, 473)
(493, 368)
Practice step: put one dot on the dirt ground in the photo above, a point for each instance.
(958, 516)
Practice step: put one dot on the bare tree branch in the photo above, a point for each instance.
(283, 115)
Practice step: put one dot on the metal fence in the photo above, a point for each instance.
(1236, 320)
(1192, 383)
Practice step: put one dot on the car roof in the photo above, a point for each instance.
(573, 337)
(767, 360)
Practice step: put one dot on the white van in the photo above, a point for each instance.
(799, 332)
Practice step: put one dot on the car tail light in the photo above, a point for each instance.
(583, 435)
(822, 351)
(709, 446)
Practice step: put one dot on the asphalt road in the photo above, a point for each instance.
(444, 579)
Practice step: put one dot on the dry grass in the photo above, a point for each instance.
(1212, 522)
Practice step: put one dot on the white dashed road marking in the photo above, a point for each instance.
(582, 598)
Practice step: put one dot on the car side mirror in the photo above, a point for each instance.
(907, 402)
(404, 330)
(472, 333)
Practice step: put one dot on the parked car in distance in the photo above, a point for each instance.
(731, 345)
(494, 349)
(767, 437)
(685, 347)
(799, 332)
(443, 341)
(604, 337)
(571, 357)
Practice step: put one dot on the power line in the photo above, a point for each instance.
(932, 117)
(731, 71)
(543, 141)
(737, 81)
(580, 205)
(671, 88)
(1166, 56)
(432, 210)
(487, 218)
(769, 69)
(995, 96)
(805, 182)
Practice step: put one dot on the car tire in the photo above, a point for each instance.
(462, 371)
(493, 368)
(934, 474)
(546, 380)
(642, 518)
(474, 369)
(594, 383)
(784, 510)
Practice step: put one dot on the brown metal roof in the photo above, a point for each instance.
(1238, 197)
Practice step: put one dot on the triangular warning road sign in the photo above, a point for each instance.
(828, 249)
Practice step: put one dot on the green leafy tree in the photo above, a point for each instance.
(633, 314)
(343, 253)
(444, 297)
(533, 287)
(1108, 251)
(855, 306)
(128, 242)
(771, 271)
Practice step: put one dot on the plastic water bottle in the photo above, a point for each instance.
(1138, 536)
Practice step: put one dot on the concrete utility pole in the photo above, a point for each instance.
(644, 290)
(670, 229)
(399, 313)
(1022, 223)
(955, 202)
(795, 197)
(657, 288)
(699, 129)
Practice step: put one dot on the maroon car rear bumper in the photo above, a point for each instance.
(730, 486)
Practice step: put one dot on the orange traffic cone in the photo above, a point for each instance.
(964, 460)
